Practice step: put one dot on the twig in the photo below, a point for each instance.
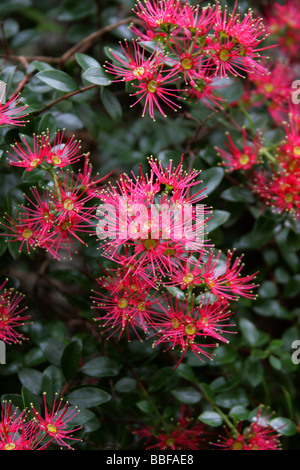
(65, 97)
(86, 42)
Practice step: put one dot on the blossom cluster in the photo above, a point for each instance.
(191, 48)
(259, 435)
(182, 434)
(195, 284)
(11, 315)
(59, 215)
(20, 432)
(272, 169)
(10, 112)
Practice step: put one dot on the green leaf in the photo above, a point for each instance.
(31, 379)
(176, 292)
(253, 370)
(53, 350)
(3, 245)
(125, 385)
(15, 399)
(263, 231)
(52, 382)
(145, 406)
(71, 10)
(28, 399)
(211, 418)
(268, 289)
(108, 51)
(284, 426)
(14, 249)
(111, 104)
(185, 371)
(100, 367)
(224, 355)
(219, 218)
(187, 395)
(48, 122)
(96, 75)
(58, 79)
(85, 61)
(70, 359)
(275, 362)
(239, 412)
(252, 335)
(234, 397)
(33, 176)
(292, 288)
(211, 179)
(207, 390)
(87, 397)
(34, 357)
(238, 194)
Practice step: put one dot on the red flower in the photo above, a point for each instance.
(182, 326)
(56, 422)
(243, 159)
(135, 66)
(181, 435)
(61, 153)
(28, 158)
(10, 114)
(227, 281)
(258, 436)
(153, 89)
(11, 318)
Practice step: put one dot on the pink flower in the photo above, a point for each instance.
(61, 153)
(234, 48)
(202, 87)
(236, 159)
(39, 212)
(153, 89)
(11, 318)
(56, 422)
(181, 326)
(258, 436)
(66, 232)
(24, 438)
(28, 158)
(156, 13)
(11, 421)
(183, 434)
(10, 114)
(173, 177)
(88, 182)
(128, 306)
(135, 66)
(69, 197)
(227, 281)
(24, 230)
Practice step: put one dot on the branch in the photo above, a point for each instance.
(82, 45)
(65, 97)
(85, 43)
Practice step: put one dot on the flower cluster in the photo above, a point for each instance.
(192, 47)
(283, 22)
(272, 169)
(281, 188)
(10, 112)
(19, 432)
(156, 237)
(183, 434)
(11, 315)
(58, 216)
(259, 435)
